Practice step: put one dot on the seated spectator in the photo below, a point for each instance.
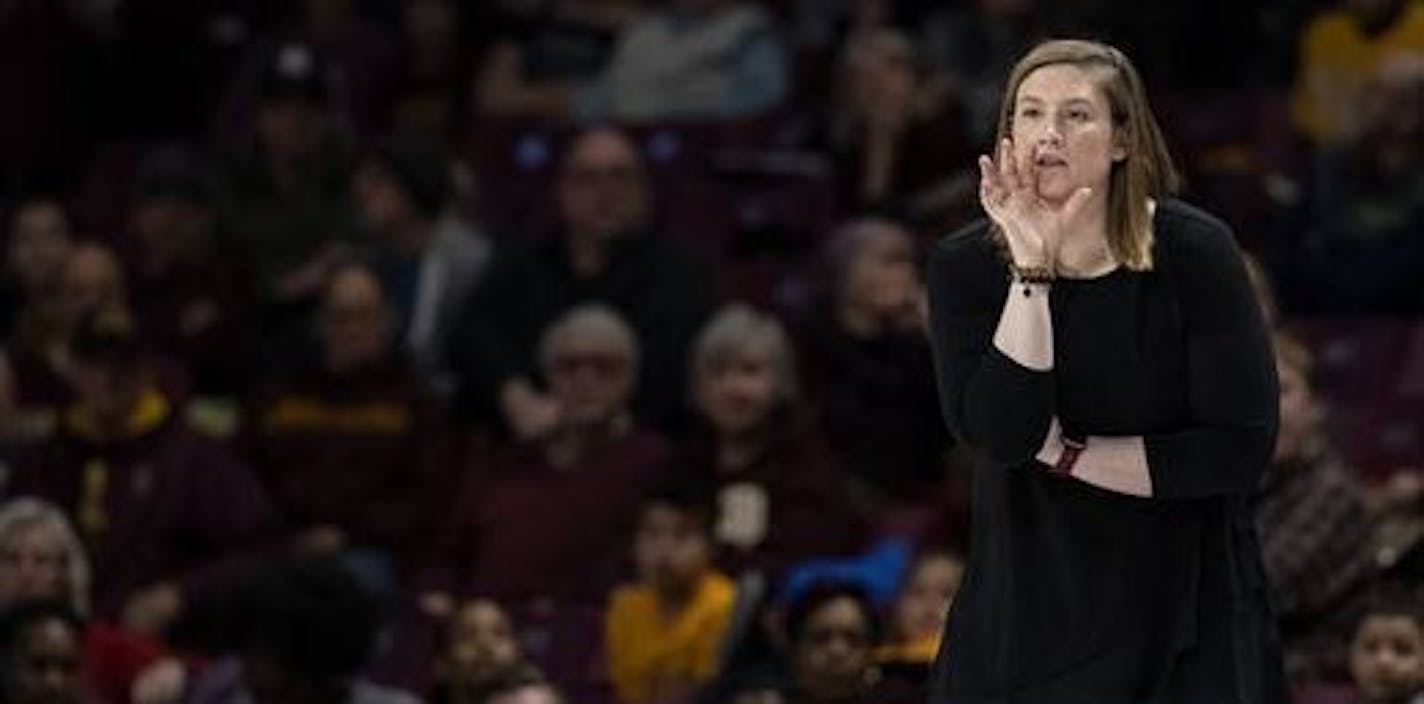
(192, 297)
(1387, 655)
(428, 259)
(917, 622)
(606, 250)
(541, 52)
(41, 559)
(897, 144)
(160, 507)
(283, 192)
(869, 373)
(481, 653)
(40, 655)
(1353, 245)
(350, 448)
(40, 368)
(776, 483)
(664, 632)
(832, 631)
(41, 556)
(1339, 50)
(37, 254)
(1316, 530)
(543, 519)
(302, 631)
(690, 60)
(38, 237)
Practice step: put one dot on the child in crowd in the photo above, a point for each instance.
(664, 633)
(917, 623)
(1387, 656)
(481, 652)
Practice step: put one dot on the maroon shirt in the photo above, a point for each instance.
(810, 509)
(365, 452)
(524, 529)
(163, 503)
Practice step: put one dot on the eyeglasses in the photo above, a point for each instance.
(604, 364)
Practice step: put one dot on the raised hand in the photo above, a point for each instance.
(1033, 226)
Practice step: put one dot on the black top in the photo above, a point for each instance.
(1076, 593)
(660, 286)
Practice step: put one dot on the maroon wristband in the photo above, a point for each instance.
(1072, 448)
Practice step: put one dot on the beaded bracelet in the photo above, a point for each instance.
(1030, 275)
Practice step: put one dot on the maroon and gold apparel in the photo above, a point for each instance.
(364, 452)
(159, 502)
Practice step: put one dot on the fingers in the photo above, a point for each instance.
(1028, 173)
(1076, 202)
(1008, 168)
(990, 190)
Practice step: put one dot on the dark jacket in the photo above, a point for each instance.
(664, 292)
(1073, 593)
(162, 503)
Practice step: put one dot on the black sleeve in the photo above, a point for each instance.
(1231, 376)
(989, 401)
(495, 330)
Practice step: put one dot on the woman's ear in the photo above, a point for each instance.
(1119, 144)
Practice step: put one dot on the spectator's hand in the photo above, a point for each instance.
(324, 540)
(437, 604)
(153, 611)
(306, 280)
(531, 415)
(162, 682)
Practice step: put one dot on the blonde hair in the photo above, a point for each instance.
(1146, 173)
(27, 513)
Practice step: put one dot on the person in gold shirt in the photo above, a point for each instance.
(917, 622)
(1340, 50)
(664, 632)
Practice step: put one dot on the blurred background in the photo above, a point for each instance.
(478, 351)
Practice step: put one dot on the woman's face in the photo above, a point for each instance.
(1063, 124)
(482, 644)
(924, 604)
(738, 392)
(881, 274)
(44, 666)
(92, 278)
(40, 240)
(833, 656)
(34, 564)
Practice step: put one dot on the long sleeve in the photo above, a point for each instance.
(495, 328)
(1230, 375)
(988, 400)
